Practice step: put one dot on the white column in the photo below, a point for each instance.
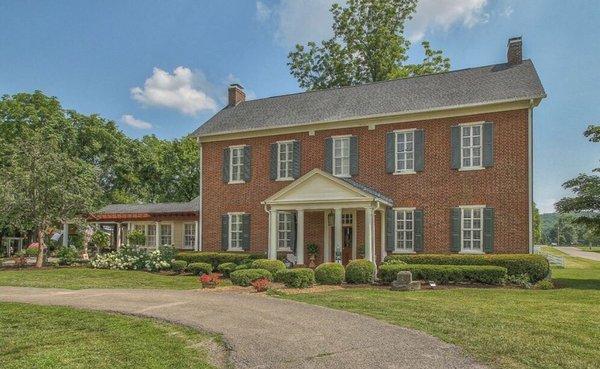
(338, 235)
(157, 234)
(65, 234)
(383, 240)
(300, 237)
(369, 233)
(354, 242)
(196, 247)
(118, 236)
(326, 238)
(273, 234)
(200, 207)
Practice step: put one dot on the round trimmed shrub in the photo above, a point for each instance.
(178, 266)
(296, 278)
(243, 266)
(244, 277)
(271, 265)
(360, 271)
(330, 273)
(226, 268)
(199, 268)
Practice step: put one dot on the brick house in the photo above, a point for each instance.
(435, 164)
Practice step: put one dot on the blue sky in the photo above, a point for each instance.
(158, 67)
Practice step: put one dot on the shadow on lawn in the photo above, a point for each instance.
(578, 284)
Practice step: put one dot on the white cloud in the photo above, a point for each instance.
(507, 12)
(183, 90)
(432, 15)
(263, 12)
(134, 122)
(300, 21)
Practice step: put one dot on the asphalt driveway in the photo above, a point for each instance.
(265, 332)
(578, 253)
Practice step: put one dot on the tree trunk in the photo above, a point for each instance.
(39, 262)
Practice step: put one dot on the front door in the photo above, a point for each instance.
(346, 243)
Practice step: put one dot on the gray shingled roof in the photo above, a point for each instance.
(158, 208)
(370, 190)
(474, 86)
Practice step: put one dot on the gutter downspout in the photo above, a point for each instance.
(530, 172)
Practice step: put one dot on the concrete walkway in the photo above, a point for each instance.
(574, 251)
(265, 332)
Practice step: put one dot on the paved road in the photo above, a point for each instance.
(574, 251)
(265, 332)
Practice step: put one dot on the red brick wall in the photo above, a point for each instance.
(435, 190)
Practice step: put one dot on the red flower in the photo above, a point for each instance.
(261, 284)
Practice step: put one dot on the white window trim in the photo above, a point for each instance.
(171, 233)
(396, 249)
(229, 248)
(478, 167)
(333, 155)
(231, 164)
(290, 177)
(283, 249)
(183, 245)
(409, 171)
(475, 252)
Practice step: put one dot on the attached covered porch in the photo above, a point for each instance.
(343, 218)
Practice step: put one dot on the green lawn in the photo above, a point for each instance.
(590, 249)
(58, 337)
(508, 328)
(78, 278)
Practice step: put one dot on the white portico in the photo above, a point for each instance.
(339, 200)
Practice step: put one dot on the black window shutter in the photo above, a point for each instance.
(418, 218)
(455, 230)
(225, 166)
(419, 150)
(455, 144)
(246, 232)
(247, 168)
(328, 165)
(390, 152)
(488, 230)
(293, 232)
(224, 232)
(353, 156)
(297, 155)
(390, 230)
(273, 161)
(488, 144)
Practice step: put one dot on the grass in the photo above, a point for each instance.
(78, 278)
(44, 337)
(508, 328)
(590, 248)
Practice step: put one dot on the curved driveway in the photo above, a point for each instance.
(578, 253)
(265, 332)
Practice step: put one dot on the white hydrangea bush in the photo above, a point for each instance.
(132, 258)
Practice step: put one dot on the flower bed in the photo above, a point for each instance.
(445, 273)
(132, 258)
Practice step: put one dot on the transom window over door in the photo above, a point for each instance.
(236, 163)
(404, 230)
(471, 146)
(284, 160)
(235, 231)
(284, 227)
(341, 156)
(472, 229)
(405, 151)
(189, 235)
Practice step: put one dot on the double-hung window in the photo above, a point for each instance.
(150, 235)
(405, 151)
(189, 235)
(235, 231)
(165, 234)
(285, 152)
(470, 146)
(341, 156)
(472, 229)
(236, 164)
(284, 231)
(405, 230)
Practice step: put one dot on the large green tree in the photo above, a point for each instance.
(586, 202)
(368, 45)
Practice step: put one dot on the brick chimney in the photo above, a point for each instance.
(514, 54)
(236, 94)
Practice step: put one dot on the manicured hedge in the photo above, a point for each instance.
(442, 274)
(296, 278)
(216, 258)
(178, 266)
(536, 266)
(226, 268)
(360, 271)
(199, 268)
(330, 273)
(272, 266)
(244, 277)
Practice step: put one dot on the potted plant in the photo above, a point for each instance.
(313, 250)
(209, 280)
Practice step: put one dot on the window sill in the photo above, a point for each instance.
(287, 249)
(342, 176)
(404, 252)
(471, 252)
(284, 179)
(405, 172)
(466, 169)
(236, 182)
(236, 249)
